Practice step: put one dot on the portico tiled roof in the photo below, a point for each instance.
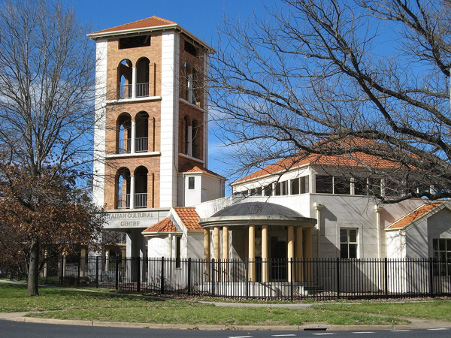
(351, 159)
(189, 217)
(153, 21)
(165, 225)
(414, 215)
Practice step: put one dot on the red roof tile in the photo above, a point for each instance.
(165, 225)
(414, 215)
(189, 217)
(354, 159)
(196, 169)
(153, 21)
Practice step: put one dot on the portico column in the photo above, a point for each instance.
(308, 253)
(299, 254)
(216, 249)
(290, 247)
(265, 254)
(252, 253)
(225, 253)
(207, 254)
(134, 73)
(132, 192)
(82, 262)
(107, 259)
(133, 138)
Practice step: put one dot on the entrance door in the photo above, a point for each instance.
(278, 271)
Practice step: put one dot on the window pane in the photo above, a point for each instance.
(294, 186)
(343, 236)
(324, 184)
(442, 245)
(352, 250)
(344, 251)
(352, 235)
(435, 244)
(305, 184)
(341, 185)
(190, 182)
(268, 190)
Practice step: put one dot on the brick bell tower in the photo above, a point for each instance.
(151, 133)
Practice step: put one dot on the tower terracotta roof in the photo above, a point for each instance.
(153, 21)
(189, 217)
(196, 169)
(414, 215)
(165, 225)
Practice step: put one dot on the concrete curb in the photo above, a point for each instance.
(415, 324)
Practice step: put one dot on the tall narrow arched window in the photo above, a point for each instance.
(123, 135)
(141, 187)
(195, 139)
(186, 134)
(142, 132)
(142, 77)
(122, 188)
(124, 78)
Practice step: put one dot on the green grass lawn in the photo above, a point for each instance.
(111, 306)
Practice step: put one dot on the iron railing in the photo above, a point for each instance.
(318, 279)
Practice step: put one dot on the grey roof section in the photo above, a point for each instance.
(256, 213)
(257, 209)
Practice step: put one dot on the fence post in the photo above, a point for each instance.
(62, 270)
(189, 276)
(97, 271)
(431, 277)
(78, 270)
(386, 276)
(162, 276)
(338, 277)
(117, 273)
(213, 277)
(247, 278)
(138, 274)
(291, 278)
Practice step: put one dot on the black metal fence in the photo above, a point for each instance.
(319, 279)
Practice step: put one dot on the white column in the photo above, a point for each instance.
(378, 209)
(134, 83)
(132, 192)
(318, 208)
(133, 137)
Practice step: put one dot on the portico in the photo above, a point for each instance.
(260, 232)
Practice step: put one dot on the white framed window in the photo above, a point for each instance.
(348, 242)
(191, 182)
(442, 254)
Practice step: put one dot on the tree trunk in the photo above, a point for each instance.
(33, 268)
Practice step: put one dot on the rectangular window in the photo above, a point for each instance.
(348, 243)
(268, 190)
(304, 184)
(134, 41)
(256, 192)
(442, 255)
(374, 186)
(178, 252)
(294, 185)
(359, 186)
(341, 185)
(324, 184)
(282, 188)
(191, 182)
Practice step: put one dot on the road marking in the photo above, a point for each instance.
(323, 333)
(439, 329)
(284, 335)
(362, 332)
(240, 336)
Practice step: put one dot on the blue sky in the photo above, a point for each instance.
(200, 17)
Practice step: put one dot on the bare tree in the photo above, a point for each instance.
(315, 73)
(46, 104)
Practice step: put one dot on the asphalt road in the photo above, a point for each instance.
(13, 329)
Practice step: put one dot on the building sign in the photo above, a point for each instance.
(133, 219)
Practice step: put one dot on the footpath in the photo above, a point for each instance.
(415, 323)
